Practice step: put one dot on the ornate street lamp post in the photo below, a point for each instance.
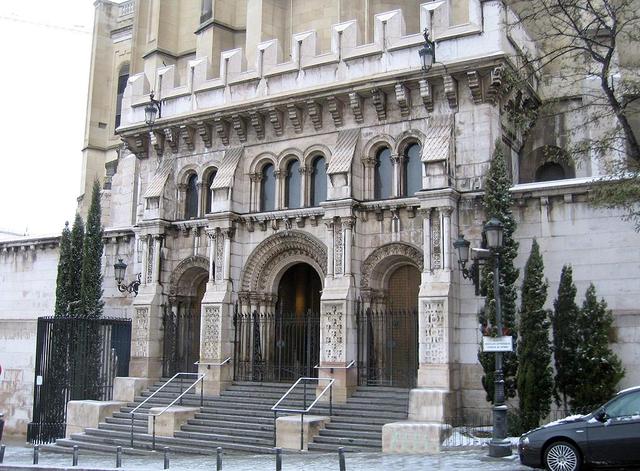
(119, 269)
(154, 107)
(494, 231)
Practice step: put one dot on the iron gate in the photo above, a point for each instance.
(275, 346)
(75, 359)
(181, 341)
(387, 347)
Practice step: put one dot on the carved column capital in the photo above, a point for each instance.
(255, 177)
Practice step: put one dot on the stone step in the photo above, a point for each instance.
(222, 438)
(343, 441)
(332, 448)
(235, 418)
(241, 426)
(65, 445)
(89, 440)
(225, 430)
(353, 426)
(126, 421)
(122, 427)
(347, 433)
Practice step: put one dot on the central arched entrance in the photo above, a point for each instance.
(279, 340)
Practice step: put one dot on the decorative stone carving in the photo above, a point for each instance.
(275, 117)
(434, 351)
(183, 266)
(141, 332)
(257, 121)
(379, 99)
(426, 94)
(187, 133)
(150, 254)
(314, 108)
(172, 137)
(335, 108)
(356, 102)
(222, 129)
(475, 85)
(403, 95)
(294, 243)
(137, 144)
(333, 336)
(240, 126)
(410, 253)
(219, 260)
(295, 116)
(436, 244)
(337, 249)
(451, 91)
(495, 84)
(204, 131)
(211, 333)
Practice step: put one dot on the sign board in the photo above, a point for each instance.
(497, 344)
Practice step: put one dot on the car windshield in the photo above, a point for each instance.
(625, 406)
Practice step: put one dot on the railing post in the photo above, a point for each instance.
(36, 453)
(180, 390)
(202, 391)
(166, 457)
(302, 431)
(330, 399)
(219, 459)
(275, 427)
(343, 466)
(153, 440)
(278, 459)
(119, 457)
(132, 418)
(2, 447)
(75, 456)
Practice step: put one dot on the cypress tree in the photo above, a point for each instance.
(63, 279)
(599, 369)
(497, 203)
(564, 321)
(91, 280)
(535, 383)
(75, 263)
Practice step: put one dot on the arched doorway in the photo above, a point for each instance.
(387, 321)
(281, 342)
(181, 322)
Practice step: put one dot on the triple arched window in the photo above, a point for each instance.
(396, 176)
(294, 185)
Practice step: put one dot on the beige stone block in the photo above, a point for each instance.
(127, 388)
(413, 437)
(88, 414)
(288, 430)
(430, 405)
(170, 420)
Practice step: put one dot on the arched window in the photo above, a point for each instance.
(318, 181)
(123, 77)
(550, 171)
(292, 184)
(383, 175)
(268, 189)
(412, 169)
(191, 206)
(212, 175)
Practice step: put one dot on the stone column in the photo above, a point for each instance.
(330, 247)
(305, 195)
(347, 225)
(369, 177)
(211, 235)
(201, 198)
(397, 174)
(426, 238)
(228, 235)
(157, 244)
(280, 176)
(256, 179)
(182, 198)
(446, 237)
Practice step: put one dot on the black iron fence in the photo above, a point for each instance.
(387, 347)
(75, 359)
(275, 346)
(181, 341)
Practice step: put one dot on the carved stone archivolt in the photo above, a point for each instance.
(435, 345)
(389, 253)
(332, 332)
(141, 332)
(211, 333)
(286, 244)
(195, 261)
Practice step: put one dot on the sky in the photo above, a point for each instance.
(46, 50)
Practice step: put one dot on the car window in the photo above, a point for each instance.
(624, 406)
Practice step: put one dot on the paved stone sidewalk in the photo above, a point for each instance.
(19, 454)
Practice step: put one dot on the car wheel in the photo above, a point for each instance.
(562, 456)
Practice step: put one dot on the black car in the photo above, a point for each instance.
(608, 437)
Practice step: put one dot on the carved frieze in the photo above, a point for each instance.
(436, 244)
(211, 333)
(150, 254)
(141, 332)
(333, 334)
(337, 249)
(433, 321)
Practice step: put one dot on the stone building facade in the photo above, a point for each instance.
(304, 161)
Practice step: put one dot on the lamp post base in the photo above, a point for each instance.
(499, 448)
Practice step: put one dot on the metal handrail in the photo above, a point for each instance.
(153, 394)
(350, 365)
(209, 365)
(304, 411)
(199, 380)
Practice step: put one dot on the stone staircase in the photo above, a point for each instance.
(241, 420)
